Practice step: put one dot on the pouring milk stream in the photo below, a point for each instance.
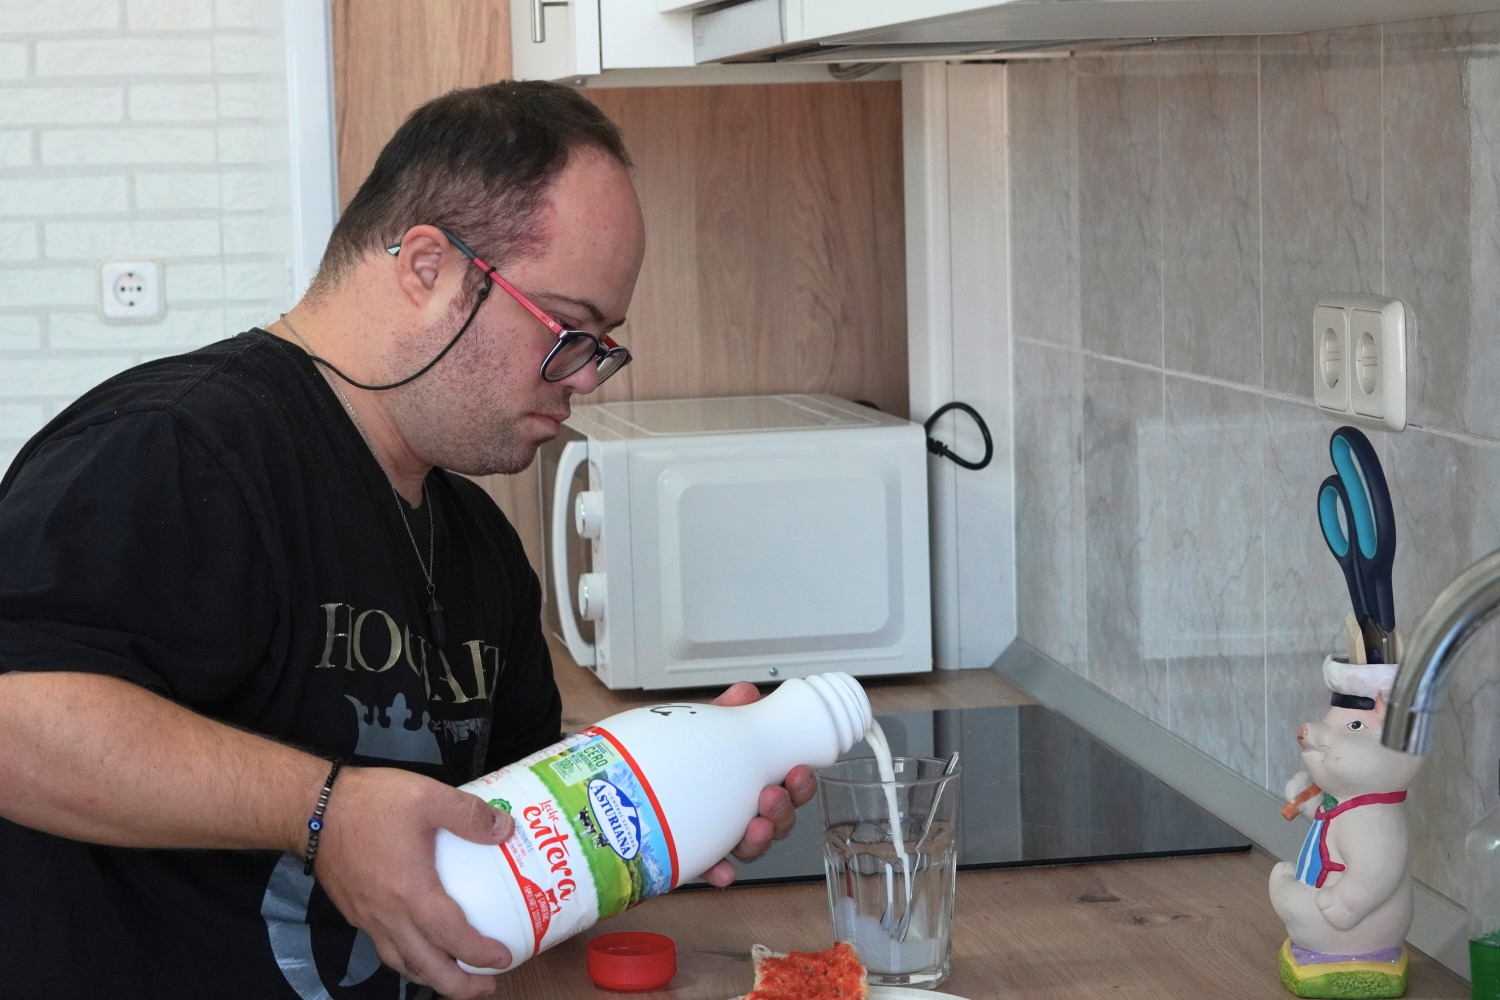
(881, 747)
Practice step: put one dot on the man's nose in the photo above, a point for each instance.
(584, 381)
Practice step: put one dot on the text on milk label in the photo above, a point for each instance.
(546, 827)
(618, 819)
(590, 839)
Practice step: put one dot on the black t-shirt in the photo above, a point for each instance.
(213, 527)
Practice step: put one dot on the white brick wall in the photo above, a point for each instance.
(149, 128)
(12, 61)
(15, 148)
(23, 17)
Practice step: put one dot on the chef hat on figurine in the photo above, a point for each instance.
(1357, 685)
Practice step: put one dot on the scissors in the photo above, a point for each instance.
(1359, 525)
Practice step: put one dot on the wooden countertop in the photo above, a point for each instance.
(1164, 929)
(1187, 928)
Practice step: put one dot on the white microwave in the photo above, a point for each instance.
(756, 538)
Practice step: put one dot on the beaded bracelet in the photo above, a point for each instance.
(315, 824)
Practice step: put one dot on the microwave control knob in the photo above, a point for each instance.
(591, 596)
(588, 513)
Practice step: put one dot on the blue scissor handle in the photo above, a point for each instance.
(1364, 529)
(1373, 519)
(1344, 544)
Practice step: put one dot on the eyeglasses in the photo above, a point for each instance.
(574, 348)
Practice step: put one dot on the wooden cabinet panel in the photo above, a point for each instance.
(390, 56)
(775, 244)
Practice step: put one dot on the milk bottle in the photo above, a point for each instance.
(629, 808)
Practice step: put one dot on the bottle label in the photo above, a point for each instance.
(590, 838)
(1484, 967)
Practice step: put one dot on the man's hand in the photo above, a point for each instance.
(103, 760)
(777, 806)
(375, 860)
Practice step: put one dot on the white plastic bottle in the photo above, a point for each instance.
(629, 808)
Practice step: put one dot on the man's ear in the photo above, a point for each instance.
(419, 262)
(1380, 706)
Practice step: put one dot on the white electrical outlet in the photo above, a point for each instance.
(1331, 341)
(1359, 344)
(131, 290)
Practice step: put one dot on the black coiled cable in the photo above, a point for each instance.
(938, 448)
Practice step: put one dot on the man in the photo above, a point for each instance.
(225, 570)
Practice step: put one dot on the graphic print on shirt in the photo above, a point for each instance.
(395, 733)
(385, 733)
(371, 642)
(371, 652)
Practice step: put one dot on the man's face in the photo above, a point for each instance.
(485, 408)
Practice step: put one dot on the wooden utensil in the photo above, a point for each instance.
(1354, 639)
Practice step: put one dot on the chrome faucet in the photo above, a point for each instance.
(1472, 599)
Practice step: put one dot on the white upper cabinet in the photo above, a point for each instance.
(937, 21)
(569, 39)
(578, 40)
(849, 30)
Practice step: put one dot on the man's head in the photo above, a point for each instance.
(531, 179)
(477, 162)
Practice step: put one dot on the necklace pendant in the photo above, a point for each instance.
(435, 616)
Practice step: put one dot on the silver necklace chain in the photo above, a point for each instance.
(434, 609)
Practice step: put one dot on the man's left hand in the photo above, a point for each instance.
(777, 807)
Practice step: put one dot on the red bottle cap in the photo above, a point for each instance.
(632, 960)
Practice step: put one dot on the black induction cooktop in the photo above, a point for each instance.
(1037, 789)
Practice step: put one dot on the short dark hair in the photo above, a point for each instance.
(477, 162)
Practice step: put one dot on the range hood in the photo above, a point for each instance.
(881, 30)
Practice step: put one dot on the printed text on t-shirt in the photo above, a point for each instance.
(372, 641)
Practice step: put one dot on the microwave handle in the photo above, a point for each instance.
(574, 454)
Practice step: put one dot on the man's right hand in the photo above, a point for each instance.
(376, 861)
(150, 773)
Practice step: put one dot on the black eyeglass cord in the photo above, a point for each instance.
(479, 301)
(938, 448)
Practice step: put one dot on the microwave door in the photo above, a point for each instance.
(575, 551)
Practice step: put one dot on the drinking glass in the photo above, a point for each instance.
(890, 850)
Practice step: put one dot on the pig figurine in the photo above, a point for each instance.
(1347, 901)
